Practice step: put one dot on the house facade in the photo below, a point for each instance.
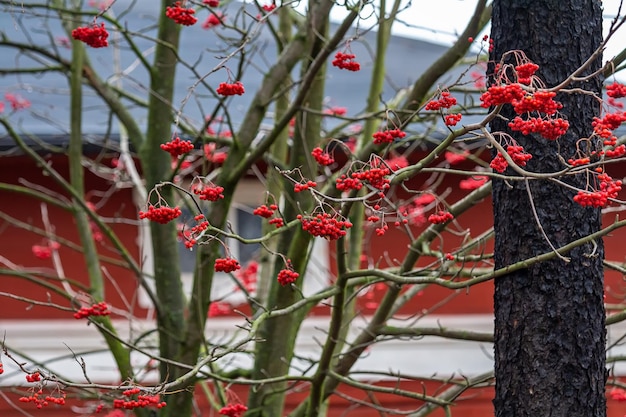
(35, 331)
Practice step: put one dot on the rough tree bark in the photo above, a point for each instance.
(549, 318)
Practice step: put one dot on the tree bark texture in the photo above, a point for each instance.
(549, 318)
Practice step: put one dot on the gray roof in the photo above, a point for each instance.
(200, 48)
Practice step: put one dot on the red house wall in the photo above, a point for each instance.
(15, 246)
(16, 242)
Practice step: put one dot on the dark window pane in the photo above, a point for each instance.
(248, 226)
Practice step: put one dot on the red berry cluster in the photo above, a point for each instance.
(452, 119)
(375, 176)
(233, 410)
(445, 101)
(226, 89)
(344, 183)
(269, 7)
(604, 127)
(177, 147)
(98, 309)
(160, 215)
(516, 153)
(616, 90)
(454, 158)
(34, 377)
(321, 157)
(215, 19)
(189, 236)
(380, 231)
(579, 161)
(219, 308)
(226, 265)
(609, 188)
(265, 211)
(614, 103)
(473, 183)
(397, 162)
(324, 225)
(190, 242)
(618, 394)
(610, 141)
(278, 222)
(212, 3)
(336, 111)
(209, 192)
(616, 152)
(548, 128)
(248, 276)
(541, 101)
(387, 136)
(181, 15)
(499, 164)
(303, 187)
(346, 61)
(525, 72)
(42, 252)
(94, 36)
(288, 275)
(142, 401)
(16, 101)
(591, 199)
(209, 149)
(424, 199)
(502, 94)
(440, 217)
(524, 104)
(39, 402)
(404, 221)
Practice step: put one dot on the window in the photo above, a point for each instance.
(249, 195)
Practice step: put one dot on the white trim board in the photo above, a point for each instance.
(44, 340)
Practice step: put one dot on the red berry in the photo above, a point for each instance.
(440, 217)
(287, 276)
(226, 265)
(160, 215)
(177, 147)
(233, 410)
(445, 101)
(502, 94)
(226, 89)
(209, 192)
(181, 15)
(387, 136)
(321, 157)
(263, 211)
(452, 119)
(94, 35)
(616, 90)
(346, 61)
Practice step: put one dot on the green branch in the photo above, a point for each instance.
(436, 331)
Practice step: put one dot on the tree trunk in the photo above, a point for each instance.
(549, 318)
